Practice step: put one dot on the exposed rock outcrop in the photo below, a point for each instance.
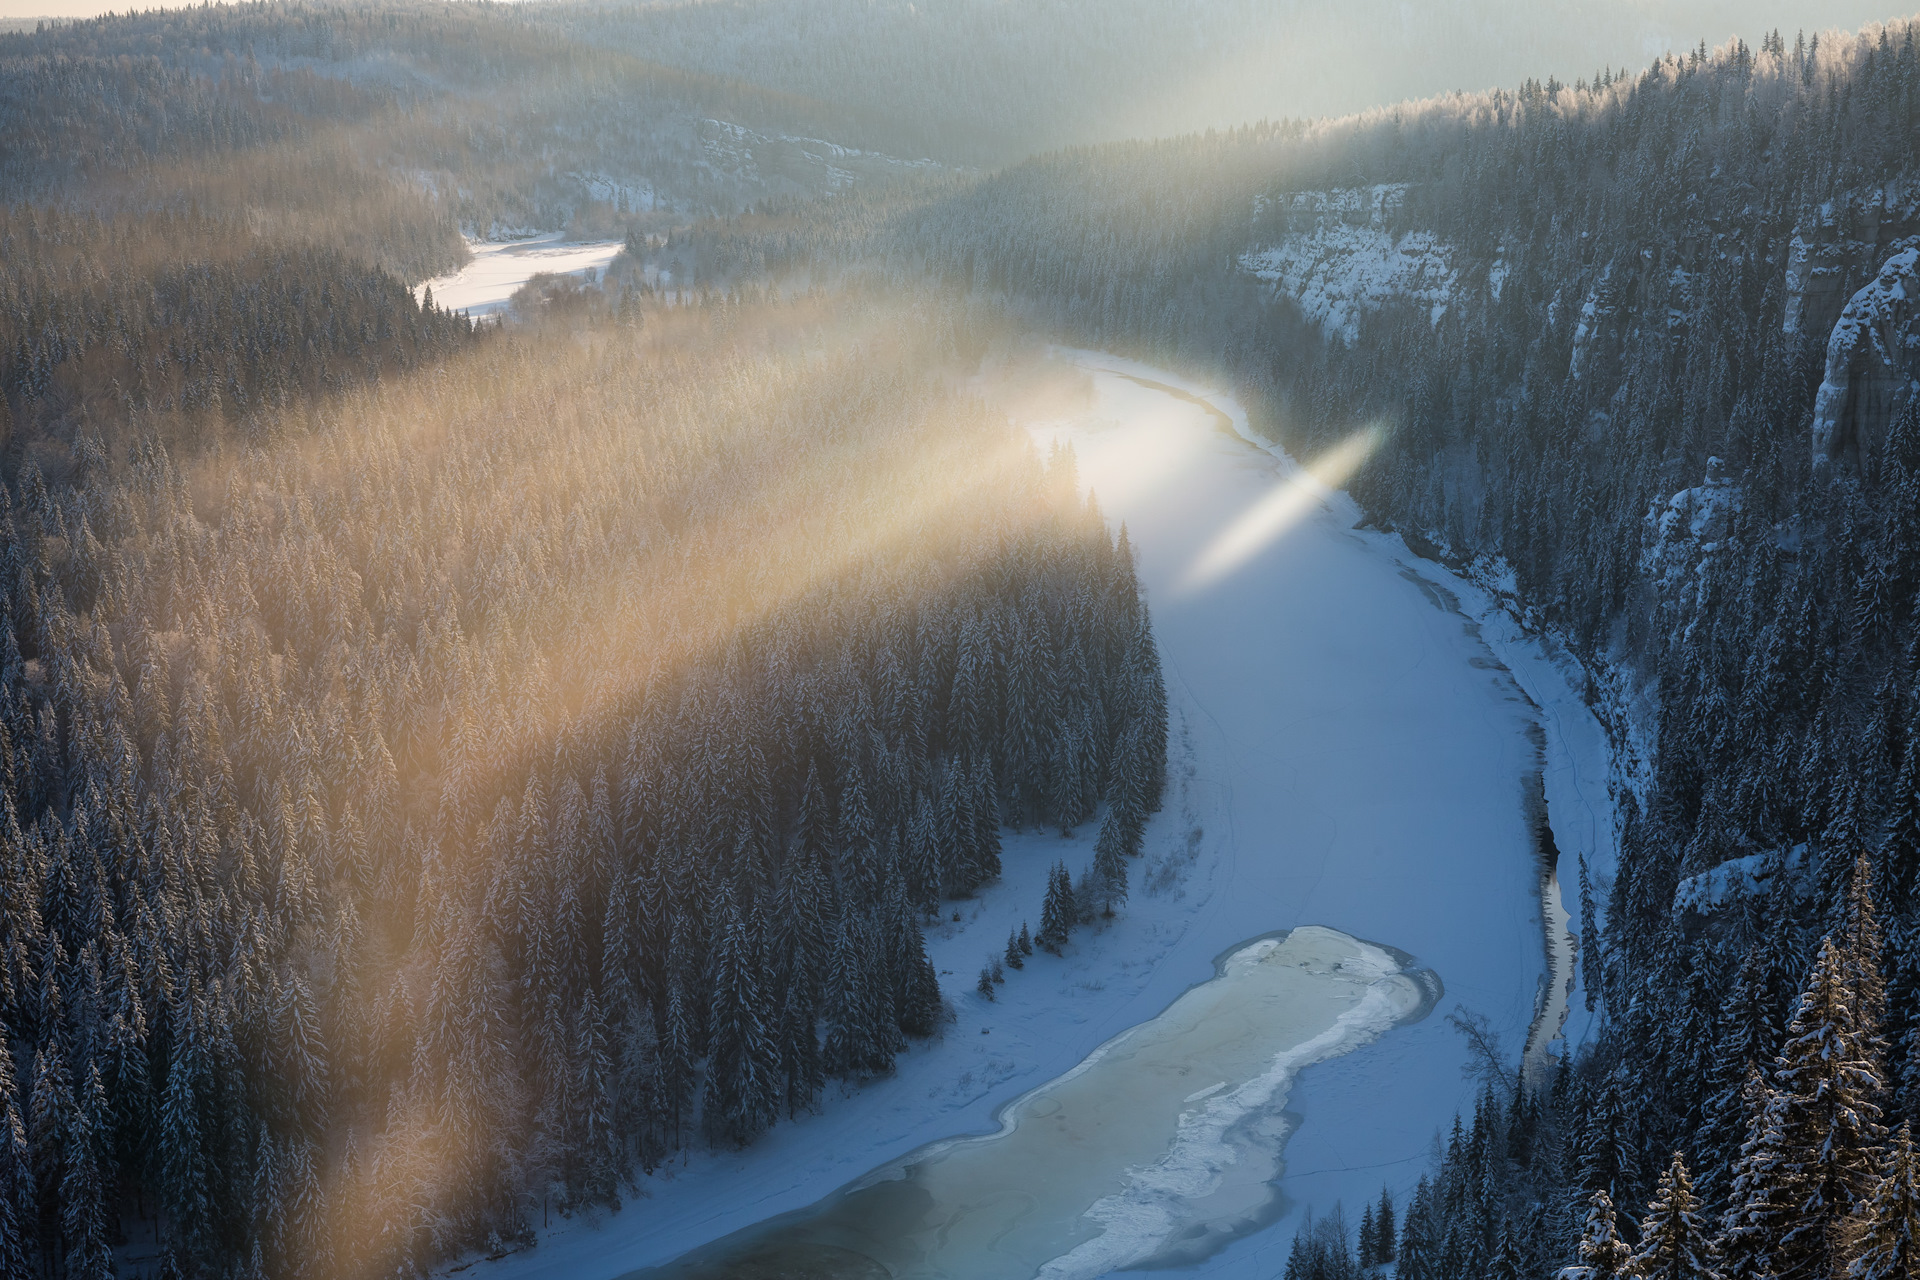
(1339, 256)
(1840, 246)
(1873, 362)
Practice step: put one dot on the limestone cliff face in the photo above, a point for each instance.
(1839, 247)
(1873, 362)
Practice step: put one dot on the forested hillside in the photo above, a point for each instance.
(421, 816)
(213, 213)
(1645, 353)
(446, 772)
(209, 209)
(480, 112)
(181, 327)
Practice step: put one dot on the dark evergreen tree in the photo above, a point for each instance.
(1675, 1243)
(17, 1193)
(1885, 1238)
(1059, 912)
(743, 1090)
(918, 1003)
(1417, 1256)
(1385, 1232)
(1109, 875)
(1603, 1254)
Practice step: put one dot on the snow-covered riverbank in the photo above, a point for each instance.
(1347, 753)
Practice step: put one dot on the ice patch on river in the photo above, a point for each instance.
(1120, 1160)
(1219, 1177)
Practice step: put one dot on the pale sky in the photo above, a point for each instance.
(17, 9)
(1820, 13)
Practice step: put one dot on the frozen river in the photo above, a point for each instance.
(485, 285)
(1361, 741)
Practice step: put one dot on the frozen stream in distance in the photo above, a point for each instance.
(485, 286)
(1162, 1146)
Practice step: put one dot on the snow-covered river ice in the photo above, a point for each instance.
(1360, 746)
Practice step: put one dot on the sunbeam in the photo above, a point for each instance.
(1269, 519)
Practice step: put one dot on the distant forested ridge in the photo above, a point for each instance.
(984, 82)
(1646, 354)
(484, 115)
(182, 327)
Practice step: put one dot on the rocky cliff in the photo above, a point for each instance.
(1873, 362)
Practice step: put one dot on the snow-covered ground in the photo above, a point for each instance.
(1351, 749)
(483, 287)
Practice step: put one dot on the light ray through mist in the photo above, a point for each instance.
(1269, 519)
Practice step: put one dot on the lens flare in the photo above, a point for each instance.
(1269, 519)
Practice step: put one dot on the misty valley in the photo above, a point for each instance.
(852, 640)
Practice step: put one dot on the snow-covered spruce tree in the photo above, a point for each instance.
(595, 1162)
(677, 1062)
(1748, 1033)
(1863, 950)
(1675, 1242)
(1603, 1254)
(1884, 1240)
(1812, 1149)
(1058, 912)
(917, 1003)
(1418, 1250)
(743, 1090)
(1760, 1195)
(1110, 851)
(1608, 1159)
(1506, 1262)
(1140, 758)
(17, 1199)
(84, 1203)
(1385, 1233)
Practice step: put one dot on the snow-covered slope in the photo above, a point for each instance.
(1350, 750)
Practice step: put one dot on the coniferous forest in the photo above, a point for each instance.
(452, 772)
(423, 814)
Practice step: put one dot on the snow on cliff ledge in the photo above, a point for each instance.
(1339, 260)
